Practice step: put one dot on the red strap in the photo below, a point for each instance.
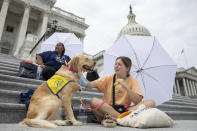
(70, 69)
(93, 109)
(127, 108)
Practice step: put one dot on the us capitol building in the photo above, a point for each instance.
(24, 22)
(186, 79)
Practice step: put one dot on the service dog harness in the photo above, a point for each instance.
(56, 83)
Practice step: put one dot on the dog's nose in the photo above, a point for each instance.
(94, 63)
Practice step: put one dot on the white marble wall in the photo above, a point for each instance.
(31, 19)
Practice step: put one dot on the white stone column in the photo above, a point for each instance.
(22, 30)
(174, 89)
(185, 87)
(178, 87)
(193, 84)
(192, 88)
(45, 16)
(188, 87)
(3, 14)
(82, 39)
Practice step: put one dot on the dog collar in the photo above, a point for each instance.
(70, 69)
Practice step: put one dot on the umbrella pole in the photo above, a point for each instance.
(53, 29)
(37, 43)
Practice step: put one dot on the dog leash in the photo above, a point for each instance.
(81, 100)
(84, 106)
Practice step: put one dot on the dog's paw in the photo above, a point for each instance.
(77, 123)
(68, 122)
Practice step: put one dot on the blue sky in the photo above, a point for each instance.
(173, 22)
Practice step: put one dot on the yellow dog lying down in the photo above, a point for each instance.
(44, 104)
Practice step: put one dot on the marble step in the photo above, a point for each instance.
(182, 115)
(9, 59)
(7, 56)
(16, 86)
(14, 113)
(169, 107)
(11, 63)
(23, 84)
(9, 96)
(20, 79)
(185, 100)
(178, 96)
(9, 68)
(183, 103)
(6, 72)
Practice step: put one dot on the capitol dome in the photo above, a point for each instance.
(133, 28)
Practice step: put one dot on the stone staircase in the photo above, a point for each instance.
(179, 108)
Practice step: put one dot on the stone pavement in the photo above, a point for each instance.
(181, 125)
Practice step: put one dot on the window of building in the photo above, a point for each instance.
(10, 29)
(4, 51)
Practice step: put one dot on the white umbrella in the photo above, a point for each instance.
(151, 65)
(72, 44)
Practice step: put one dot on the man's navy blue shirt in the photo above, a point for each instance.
(50, 58)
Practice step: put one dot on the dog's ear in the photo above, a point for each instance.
(73, 63)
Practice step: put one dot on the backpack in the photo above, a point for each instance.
(27, 70)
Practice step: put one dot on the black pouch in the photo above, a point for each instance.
(119, 108)
(27, 70)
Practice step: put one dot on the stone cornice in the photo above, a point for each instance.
(51, 2)
(37, 5)
(46, 12)
(69, 16)
(186, 75)
(28, 4)
(6, 1)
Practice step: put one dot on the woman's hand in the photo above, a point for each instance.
(133, 96)
(83, 82)
(40, 61)
(121, 81)
(42, 66)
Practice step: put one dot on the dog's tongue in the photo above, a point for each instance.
(89, 67)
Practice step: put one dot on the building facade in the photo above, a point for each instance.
(24, 22)
(186, 82)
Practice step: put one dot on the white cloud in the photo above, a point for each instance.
(173, 22)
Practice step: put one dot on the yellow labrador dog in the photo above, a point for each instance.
(44, 103)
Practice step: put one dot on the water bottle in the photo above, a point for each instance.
(82, 115)
(39, 70)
